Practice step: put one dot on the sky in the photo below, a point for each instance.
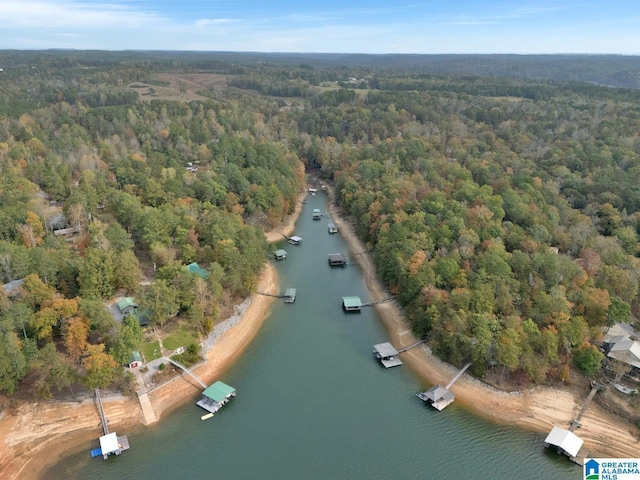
(327, 26)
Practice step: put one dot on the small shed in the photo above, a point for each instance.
(337, 260)
(135, 360)
(197, 270)
(127, 305)
(439, 397)
(316, 214)
(387, 354)
(280, 254)
(215, 396)
(351, 304)
(290, 295)
(332, 227)
(565, 441)
(295, 240)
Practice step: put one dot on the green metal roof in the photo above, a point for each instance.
(197, 270)
(218, 391)
(126, 302)
(351, 302)
(135, 357)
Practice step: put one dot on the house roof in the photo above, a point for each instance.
(626, 351)
(351, 302)
(385, 349)
(125, 303)
(135, 357)
(568, 441)
(197, 270)
(218, 391)
(109, 443)
(618, 330)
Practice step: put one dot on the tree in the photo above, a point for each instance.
(588, 359)
(99, 366)
(160, 301)
(13, 365)
(75, 332)
(128, 339)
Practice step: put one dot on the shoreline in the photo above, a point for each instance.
(537, 409)
(36, 435)
(60, 429)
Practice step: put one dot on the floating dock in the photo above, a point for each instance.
(332, 227)
(440, 397)
(295, 240)
(337, 260)
(351, 304)
(215, 396)
(387, 354)
(280, 254)
(290, 295)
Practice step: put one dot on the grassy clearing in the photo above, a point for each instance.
(151, 350)
(180, 338)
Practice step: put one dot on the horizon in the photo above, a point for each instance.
(459, 27)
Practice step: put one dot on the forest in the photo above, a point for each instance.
(502, 210)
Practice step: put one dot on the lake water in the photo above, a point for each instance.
(313, 403)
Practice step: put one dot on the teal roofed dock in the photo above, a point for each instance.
(351, 304)
(215, 396)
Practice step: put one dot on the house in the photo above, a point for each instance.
(215, 396)
(135, 360)
(351, 304)
(280, 254)
(127, 305)
(565, 441)
(626, 351)
(197, 270)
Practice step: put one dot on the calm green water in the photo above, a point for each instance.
(312, 403)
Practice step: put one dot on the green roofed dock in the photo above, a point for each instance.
(351, 304)
(215, 396)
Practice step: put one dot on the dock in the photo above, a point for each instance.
(110, 443)
(565, 441)
(295, 240)
(332, 227)
(351, 304)
(215, 396)
(280, 254)
(316, 214)
(440, 397)
(387, 354)
(337, 260)
(187, 371)
(290, 295)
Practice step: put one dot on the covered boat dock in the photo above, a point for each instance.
(215, 396)
(295, 240)
(565, 441)
(290, 295)
(351, 304)
(337, 260)
(280, 254)
(387, 354)
(332, 227)
(438, 396)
